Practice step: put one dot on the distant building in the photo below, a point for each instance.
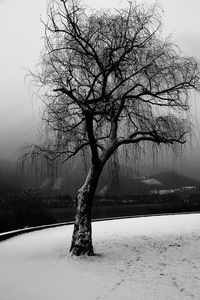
(183, 189)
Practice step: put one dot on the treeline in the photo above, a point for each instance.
(58, 201)
(176, 198)
(23, 209)
(29, 208)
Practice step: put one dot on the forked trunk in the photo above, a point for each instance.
(82, 235)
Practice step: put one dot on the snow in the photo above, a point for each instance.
(137, 258)
(151, 181)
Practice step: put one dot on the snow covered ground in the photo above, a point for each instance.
(139, 258)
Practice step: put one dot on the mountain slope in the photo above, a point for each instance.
(173, 180)
(7, 181)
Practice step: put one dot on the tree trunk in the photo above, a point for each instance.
(82, 235)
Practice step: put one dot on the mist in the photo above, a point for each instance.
(21, 34)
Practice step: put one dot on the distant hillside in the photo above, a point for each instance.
(6, 188)
(173, 180)
(128, 183)
(5, 170)
(9, 181)
(70, 179)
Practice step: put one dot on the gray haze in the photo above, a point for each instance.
(21, 32)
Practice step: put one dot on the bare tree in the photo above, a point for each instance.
(109, 79)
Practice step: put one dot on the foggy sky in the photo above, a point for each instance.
(20, 36)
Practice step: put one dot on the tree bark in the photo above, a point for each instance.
(82, 235)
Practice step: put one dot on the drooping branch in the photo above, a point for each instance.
(150, 136)
(109, 78)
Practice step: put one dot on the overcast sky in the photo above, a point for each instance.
(20, 36)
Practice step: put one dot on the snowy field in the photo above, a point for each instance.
(138, 258)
